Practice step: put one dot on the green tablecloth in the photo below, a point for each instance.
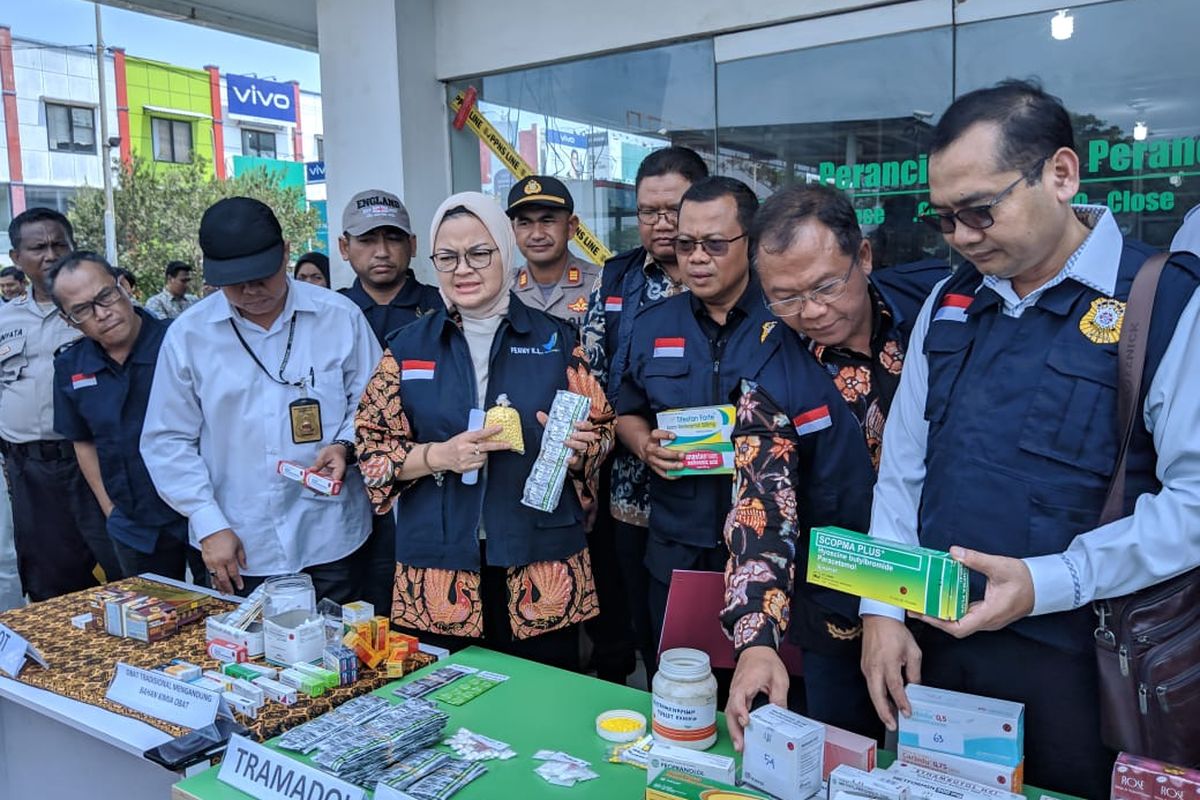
(538, 708)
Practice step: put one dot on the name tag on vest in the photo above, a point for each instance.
(817, 419)
(954, 308)
(417, 370)
(669, 348)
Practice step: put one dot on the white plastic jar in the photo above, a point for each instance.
(685, 699)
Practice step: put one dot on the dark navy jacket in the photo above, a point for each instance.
(621, 283)
(97, 400)
(1023, 422)
(414, 300)
(905, 288)
(438, 526)
(691, 510)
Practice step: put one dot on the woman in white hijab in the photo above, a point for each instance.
(473, 562)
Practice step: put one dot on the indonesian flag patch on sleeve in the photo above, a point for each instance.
(613, 304)
(416, 370)
(954, 308)
(669, 347)
(817, 419)
(81, 381)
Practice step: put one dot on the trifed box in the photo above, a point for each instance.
(709, 766)
(844, 747)
(925, 783)
(674, 785)
(985, 772)
(914, 578)
(878, 785)
(968, 725)
(1140, 778)
(783, 753)
(705, 437)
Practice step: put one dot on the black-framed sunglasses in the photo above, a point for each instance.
(83, 312)
(686, 245)
(476, 258)
(977, 217)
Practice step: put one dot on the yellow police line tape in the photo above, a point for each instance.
(495, 142)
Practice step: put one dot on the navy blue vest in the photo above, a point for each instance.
(1023, 423)
(905, 288)
(691, 510)
(438, 526)
(621, 283)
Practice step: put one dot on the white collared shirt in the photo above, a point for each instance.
(217, 426)
(1158, 541)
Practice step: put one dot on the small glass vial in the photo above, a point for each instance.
(685, 699)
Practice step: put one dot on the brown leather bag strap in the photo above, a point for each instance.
(1131, 360)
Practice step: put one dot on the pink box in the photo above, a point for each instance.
(1139, 778)
(844, 747)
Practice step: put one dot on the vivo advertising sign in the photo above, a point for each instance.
(254, 97)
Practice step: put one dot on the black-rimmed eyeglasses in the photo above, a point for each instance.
(476, 258)
(829, 292)
(83, 312)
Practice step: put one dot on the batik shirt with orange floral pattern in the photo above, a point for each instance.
(868, 382)
(762, 529)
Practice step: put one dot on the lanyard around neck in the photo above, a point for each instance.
(287, 354)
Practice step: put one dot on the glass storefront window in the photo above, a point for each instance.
(856, 114)
(1128, 76)
(590, 123)
(856, 109)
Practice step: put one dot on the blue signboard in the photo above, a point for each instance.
(566, 138)
(255, 97)
(314, 171)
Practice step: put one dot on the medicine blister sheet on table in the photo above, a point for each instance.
(307, 737)
(463, 691)
(361, 754)
(433, 681)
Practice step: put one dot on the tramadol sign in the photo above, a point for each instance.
(255, 97)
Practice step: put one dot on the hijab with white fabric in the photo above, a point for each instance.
(480, 324)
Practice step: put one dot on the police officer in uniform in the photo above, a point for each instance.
(58, 526)
(378, 242)
(695, 350)
(553, 279)
(101, 390)
(639, 276)
(1003, 436)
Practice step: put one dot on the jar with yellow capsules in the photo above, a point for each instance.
(685, 699)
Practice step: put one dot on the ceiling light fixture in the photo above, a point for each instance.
(1062, 25)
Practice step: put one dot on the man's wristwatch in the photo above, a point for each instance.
(349, 445)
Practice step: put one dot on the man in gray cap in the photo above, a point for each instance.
(378, 243)
(268, 371)
(552, 280)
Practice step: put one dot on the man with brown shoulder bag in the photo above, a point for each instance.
(1003, 440)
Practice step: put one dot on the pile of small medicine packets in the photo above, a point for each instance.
(430, 775)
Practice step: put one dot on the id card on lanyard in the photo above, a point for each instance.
(305, 413)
